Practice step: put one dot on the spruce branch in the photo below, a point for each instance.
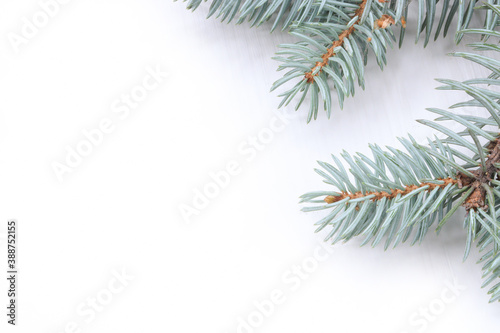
(335, 38)
(257, 12)
(395, 195)
(395, 192)
(398, 195)
(309, 76)
(351, 36)
(334, 51)
(483, 177)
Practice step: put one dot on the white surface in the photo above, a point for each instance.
(120, 207)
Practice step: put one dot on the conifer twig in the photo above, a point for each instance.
(378, 195)
(330, 52)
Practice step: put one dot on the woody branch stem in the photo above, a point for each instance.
(309, 76)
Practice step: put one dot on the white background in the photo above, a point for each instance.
(119, 209)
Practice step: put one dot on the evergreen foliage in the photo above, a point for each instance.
(396, 195)
(335, 38)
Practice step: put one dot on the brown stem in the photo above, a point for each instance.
(394, 192)
(482, 175)
(476, 199)
(329, 53)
